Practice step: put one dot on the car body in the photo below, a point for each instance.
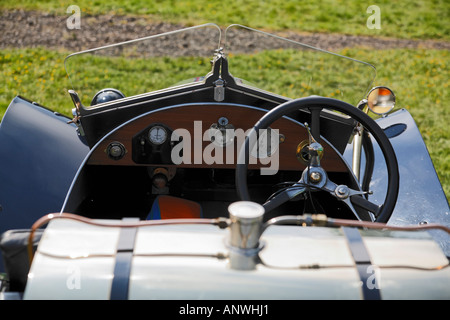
(216, 187)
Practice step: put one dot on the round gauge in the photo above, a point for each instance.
(157, 135)
(267, 145)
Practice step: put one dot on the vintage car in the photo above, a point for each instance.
(206, 164)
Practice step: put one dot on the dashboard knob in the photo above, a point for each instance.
(115, 150)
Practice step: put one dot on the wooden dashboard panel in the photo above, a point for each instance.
(198, 119)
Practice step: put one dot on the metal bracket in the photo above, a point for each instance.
(76, 111)
(219, 90)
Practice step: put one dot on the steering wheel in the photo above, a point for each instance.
(314, 176)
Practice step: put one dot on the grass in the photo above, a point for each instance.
(142, 75)
(420, 19)
(34, 73)
(420, 82)
(40, 75)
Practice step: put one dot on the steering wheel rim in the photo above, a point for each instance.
(325, 103)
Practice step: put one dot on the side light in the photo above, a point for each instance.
(106, 95)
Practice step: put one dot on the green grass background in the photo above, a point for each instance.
(420, 77)
(403, 19)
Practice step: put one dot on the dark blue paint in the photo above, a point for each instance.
(394, 130)
(39, 156)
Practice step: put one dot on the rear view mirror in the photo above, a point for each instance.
(381, 100)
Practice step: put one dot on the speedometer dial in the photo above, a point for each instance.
(157, 135)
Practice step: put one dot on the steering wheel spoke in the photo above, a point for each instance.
(315, 122)
(365, 204)
(283, 196)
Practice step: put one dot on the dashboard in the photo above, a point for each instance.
(207, 135)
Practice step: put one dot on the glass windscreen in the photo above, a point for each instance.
(145, 65)
(292, 69)
(256, 59)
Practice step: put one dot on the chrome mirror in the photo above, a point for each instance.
(381, 100)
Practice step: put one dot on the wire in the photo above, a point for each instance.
(323, 220)
(220, 222)
(219, 256)
(317, 266)
(379, 225)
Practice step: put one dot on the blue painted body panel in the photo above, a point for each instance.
(421, 198)
(39, 156)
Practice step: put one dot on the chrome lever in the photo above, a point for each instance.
(344, 194)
